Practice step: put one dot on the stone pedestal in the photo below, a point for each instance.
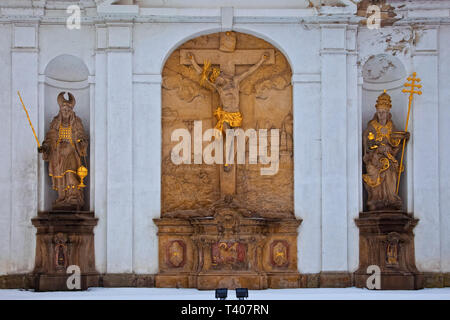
(227, 250)
(64, 238)
(386, 240)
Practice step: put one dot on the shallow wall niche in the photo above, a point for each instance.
(380, 72)
(70, 74)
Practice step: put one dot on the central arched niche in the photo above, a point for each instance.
(265, 103)
(211, 235)
(66, 73)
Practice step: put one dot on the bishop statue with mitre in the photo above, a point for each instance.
(64, 146)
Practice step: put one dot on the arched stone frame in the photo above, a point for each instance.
(66, 73)
(379, 72)
(180, 111)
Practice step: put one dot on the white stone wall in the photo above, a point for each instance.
(125, 48)
(444, 151)
(5, 145)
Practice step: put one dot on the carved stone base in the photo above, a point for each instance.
(386, 240)
(229, 250)
(64, 238)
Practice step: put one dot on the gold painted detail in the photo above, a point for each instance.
(176, 254)
(65, 133)
(62, 175)
(392, 250)
(384, 101)
(72, 186)
(234, 119)
(82, 172)
(29, 120)
(280, 254)
(370, 182)
(385, 165)
(209, 73)
(413, 85)
(382, 131)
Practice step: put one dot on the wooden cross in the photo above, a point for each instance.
(227, 60)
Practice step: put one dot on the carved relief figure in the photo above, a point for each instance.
(228, 254)
(392, 249)
(227, 86)
(287, 130)
(381, 143)
(250, 81)
(60, 241)
(64, 146)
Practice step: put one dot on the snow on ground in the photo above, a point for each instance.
(194, 294)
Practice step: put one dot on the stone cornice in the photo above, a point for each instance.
(52, 12)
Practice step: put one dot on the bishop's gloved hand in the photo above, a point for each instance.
(43, 148)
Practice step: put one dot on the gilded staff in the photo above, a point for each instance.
(413, 85)
(29, 120)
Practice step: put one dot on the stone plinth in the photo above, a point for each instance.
(386, 239)
(227, 250)
(64, 238)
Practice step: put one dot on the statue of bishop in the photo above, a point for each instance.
(64, 147)
(381, 144)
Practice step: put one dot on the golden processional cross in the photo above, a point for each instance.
(413, 85)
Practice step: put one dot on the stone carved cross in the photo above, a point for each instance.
(227, 57)
(227, 60)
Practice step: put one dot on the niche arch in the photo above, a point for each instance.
(66, 73)
(387, 72)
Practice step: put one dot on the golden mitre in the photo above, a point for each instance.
(384, 101)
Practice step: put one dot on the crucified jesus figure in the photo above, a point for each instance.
(227, 86)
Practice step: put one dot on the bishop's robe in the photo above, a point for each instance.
(380, 180)
(67, 144)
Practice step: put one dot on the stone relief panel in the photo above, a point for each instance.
(279, 253)
(60, 240)
(265, 103)
(176, 255)
(228, 255)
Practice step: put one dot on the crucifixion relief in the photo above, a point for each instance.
(227, 84)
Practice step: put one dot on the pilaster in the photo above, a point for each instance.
(24, 155)
(119, 141)
(307, 169)
(425, 138)
(334, 142)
